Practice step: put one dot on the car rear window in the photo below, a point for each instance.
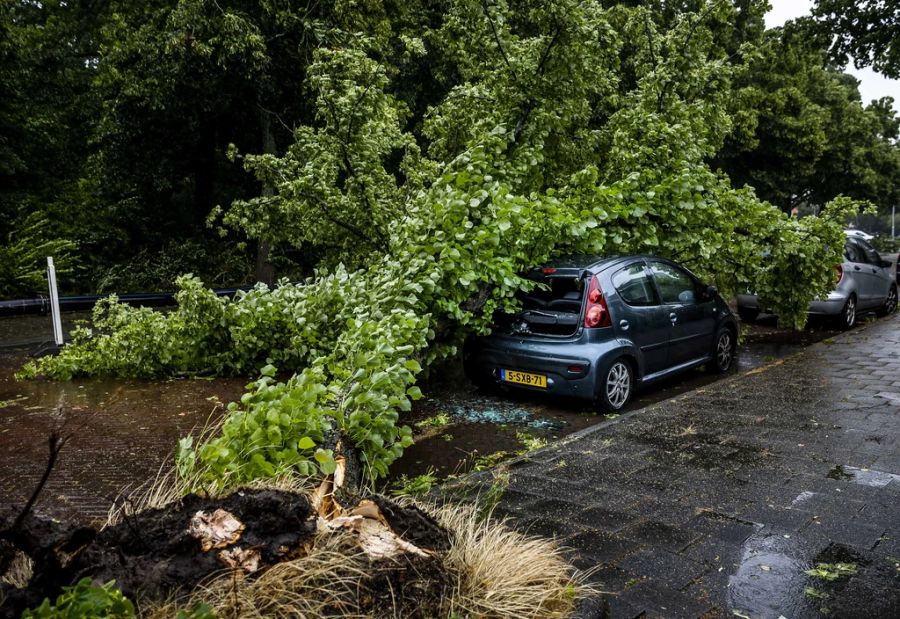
(852, 252)
(561, 294)
(553, 308)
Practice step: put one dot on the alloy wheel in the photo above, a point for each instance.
(618, 384)
(890, 304)
(850, 312)
(724, 351)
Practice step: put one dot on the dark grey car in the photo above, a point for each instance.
(596, 328)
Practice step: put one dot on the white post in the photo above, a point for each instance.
(893, 221)
(54, 302)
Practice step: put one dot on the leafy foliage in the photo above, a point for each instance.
(541, 147)
(85, 600)
(23, 259)
(801, 134)
(414, 486)
(833, 571)
(866, 30)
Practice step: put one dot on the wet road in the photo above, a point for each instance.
(123, 430)
(481, 424)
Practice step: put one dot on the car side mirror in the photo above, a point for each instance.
(885, 264)
(711, 292)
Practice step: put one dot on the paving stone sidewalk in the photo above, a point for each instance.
(715, 503)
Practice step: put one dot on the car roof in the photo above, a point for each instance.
(595, 262)
(858, 234)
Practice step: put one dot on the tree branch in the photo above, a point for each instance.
(487, 14)
(529, 104)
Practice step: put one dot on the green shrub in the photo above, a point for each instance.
(85, 600)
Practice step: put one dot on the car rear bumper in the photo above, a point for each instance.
(830, 306)
(569, 376)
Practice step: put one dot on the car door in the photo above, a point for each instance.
(639, 316)
(691, 315)
(854, 263)
(878, 277)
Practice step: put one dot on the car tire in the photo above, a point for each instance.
(748, 315)
(724, 348)
(847, 317)
(890, 303)
(616, 386)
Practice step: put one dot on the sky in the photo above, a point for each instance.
(872, 85)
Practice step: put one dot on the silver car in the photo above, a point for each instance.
(865, 283)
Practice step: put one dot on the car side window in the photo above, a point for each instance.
(872, 256)
(852, 252)
(634, 286)
(675, 285)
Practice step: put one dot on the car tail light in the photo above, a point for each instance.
(548, 270)
(596, 314)
(840, 273)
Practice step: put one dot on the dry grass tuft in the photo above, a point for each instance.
(503, 573)
(326, 583)
(19, 572)
(494, 571)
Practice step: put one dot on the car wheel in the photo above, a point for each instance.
(723, 351)
(616, 386)
(748, 315)
(847, 317)
(890, 303)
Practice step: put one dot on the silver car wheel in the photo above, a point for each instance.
(850, 312)
(724, 351)
(618, 384)
(890, 304)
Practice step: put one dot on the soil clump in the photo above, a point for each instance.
(158, 554)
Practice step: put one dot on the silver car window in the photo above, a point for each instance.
(872, 256)
(852, 252)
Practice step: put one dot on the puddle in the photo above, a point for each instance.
(865, 477)
(122, 430)
(802, 498)
(770, 579)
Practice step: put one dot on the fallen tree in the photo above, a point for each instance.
(545, 145)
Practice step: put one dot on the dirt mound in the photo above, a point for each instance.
(159, 553)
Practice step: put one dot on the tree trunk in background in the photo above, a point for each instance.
(265, 272)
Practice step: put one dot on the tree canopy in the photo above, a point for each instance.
(118, 120)
(866, 31)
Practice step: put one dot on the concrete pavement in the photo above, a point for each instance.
(716, 503)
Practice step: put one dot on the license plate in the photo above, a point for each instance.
(524, 378)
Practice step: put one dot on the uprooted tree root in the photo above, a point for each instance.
(276, 553)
